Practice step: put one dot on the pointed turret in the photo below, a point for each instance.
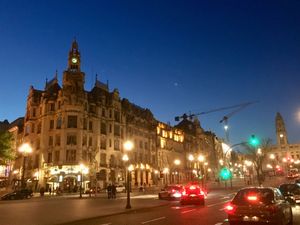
(74, 57)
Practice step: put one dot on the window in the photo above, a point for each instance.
(39, 128)
(50, 141)
(57, 140)
(32, 128)
(71, 155)
(49, 159)
(162, 143)
(117, 144)
(56, 156)
(103, 128)
(103, 159)
(90, 141)
(51, 107)
(103, 112)
(110, 143)
(58, 123)
(84, 154)
(110, 113)
(103, 143)
(71, 140)
(117, 116)
(27, 129)
(33, 112)
(84, 123)
(59, 105)
(72, 121)
(37, 161)
(38, 143)
(117, 130)
(91, 125)
(51, 124)
(110, 128)
(84, 141)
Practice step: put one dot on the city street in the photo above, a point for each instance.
(146, 209)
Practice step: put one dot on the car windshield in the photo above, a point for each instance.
(254, 196)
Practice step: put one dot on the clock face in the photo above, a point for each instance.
(74, 60)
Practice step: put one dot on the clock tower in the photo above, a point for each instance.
(73, 78)
(280, 130)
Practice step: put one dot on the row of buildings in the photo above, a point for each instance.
(68, 126)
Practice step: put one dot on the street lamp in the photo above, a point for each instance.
(128, 146)
(177, 163)
(83, 170)
(25, 149)
(201, 159)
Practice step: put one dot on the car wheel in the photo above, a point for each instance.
(12, 197)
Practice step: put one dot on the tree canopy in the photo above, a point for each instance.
(6, 152)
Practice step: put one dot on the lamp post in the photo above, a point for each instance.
(83, 170)
(128, 146)
(272, 158)
(201, 159)
(191, 159)
(177, 163)
(25, 149)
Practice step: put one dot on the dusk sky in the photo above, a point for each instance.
(169, 56)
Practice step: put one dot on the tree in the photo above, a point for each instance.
(6, 152)
(257, 154)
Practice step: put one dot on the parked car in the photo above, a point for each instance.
(256, 205)
(171, 192)
(193, 194)
(291, 192)
(120, 188)
(17, 195)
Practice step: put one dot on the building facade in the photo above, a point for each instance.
(77, 137)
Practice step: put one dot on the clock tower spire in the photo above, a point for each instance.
(74, 58)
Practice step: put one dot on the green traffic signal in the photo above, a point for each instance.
(225, 173)
(254, 141)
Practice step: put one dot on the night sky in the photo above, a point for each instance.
(169, 56)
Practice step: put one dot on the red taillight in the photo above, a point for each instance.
(252, 198)
(173, 190)
(184, 192)
(202, 192)
(230, 208)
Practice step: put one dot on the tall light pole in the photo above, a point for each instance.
(83, 170)
(177, 163)
(201, 159)
(272, 157)
(128, 146)
(25, 149)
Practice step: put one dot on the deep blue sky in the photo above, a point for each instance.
(169, 56)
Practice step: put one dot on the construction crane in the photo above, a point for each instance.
(237, 107)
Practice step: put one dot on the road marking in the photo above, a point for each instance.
(149, 221)
(105, 224)
(218, 223)
(188, 211)
(217, 204)
(221, 209)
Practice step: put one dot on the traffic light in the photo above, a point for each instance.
(254, 141)
(225, 173)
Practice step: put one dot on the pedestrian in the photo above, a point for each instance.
(114, 191)
(50, 190)
(109, 191)
(42, 191)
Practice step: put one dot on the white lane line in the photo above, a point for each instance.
(188, 211)
(149, 221)
(218, 223)
(105, 224)
(222, 209)
(217, 204)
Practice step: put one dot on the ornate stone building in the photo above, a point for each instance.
(67, 126)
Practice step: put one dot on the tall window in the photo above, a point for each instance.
(72, 121)
(71, 155)
(117, 116)
(71, 140)
(103, 143)
(103, 159)
(109, 143)
(51, 124)
(91, 125)
(49, 159)
(50, 140)
(84, 141)
(90, 141)
(117, 130)
(57, 140)
(117, 144)
(103, 128)
(51, 107)
(84, 123)
(56, 156)
(103, 112)
(58, 123)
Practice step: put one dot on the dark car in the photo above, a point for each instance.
(17, 195)
(171, 192)
(255, 205)
(193, 194)
(291, 192)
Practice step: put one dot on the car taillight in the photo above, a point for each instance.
(252, 198)
(230, 208)
(173, 190)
